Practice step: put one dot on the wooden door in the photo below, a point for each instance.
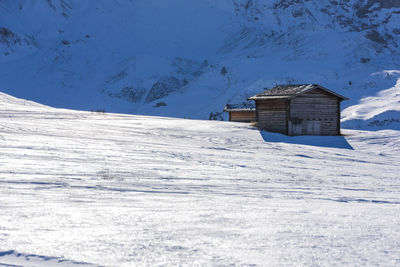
(313, 127)
(296, 129)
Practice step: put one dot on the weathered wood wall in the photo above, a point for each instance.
(272, 115)
(315, 111)
(242, 116)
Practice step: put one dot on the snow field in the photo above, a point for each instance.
(374, 112)
(121, 190)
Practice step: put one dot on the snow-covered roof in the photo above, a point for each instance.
(240, 107)
(292, 90)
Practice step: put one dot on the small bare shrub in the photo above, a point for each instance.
(107, 174)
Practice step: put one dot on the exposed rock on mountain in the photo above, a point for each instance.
(125, 55)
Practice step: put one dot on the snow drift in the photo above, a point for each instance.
(122, 190)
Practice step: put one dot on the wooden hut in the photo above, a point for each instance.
(303, 109)
(241, 112)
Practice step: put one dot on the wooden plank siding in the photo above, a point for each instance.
(316, 108)
(299, 109)
(242, 116)
(272, 115)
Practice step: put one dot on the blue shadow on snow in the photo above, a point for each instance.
(309, 140)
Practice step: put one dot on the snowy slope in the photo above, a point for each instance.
(128, 56)
(376, 112)
(16, 259)
(123, 190)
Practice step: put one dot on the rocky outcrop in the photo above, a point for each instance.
(163, 88)
(8, 38)
(131, 94)
(10, 41)
(375, 18)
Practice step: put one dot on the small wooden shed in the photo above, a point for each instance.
(241, 112)
(302, 109)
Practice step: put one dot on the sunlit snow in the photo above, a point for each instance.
(124, 190)
(376, 111)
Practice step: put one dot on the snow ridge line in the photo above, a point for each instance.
(13, 258)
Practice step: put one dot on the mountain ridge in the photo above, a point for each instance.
(128, 56)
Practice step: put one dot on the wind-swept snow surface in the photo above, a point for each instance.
(120, 190)
(380, 111)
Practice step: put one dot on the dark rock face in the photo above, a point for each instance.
(133, 95)
(5, 32)
(160, 104)
(186, 71)
(8, 37)
(371, 17)
(388, 3)
(376, 37)
(10, 41)
(163, 88)
(363, 9)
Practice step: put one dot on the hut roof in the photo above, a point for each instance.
(240, 107)
(291, 91)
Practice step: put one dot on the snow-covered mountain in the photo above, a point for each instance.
(189, 58)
